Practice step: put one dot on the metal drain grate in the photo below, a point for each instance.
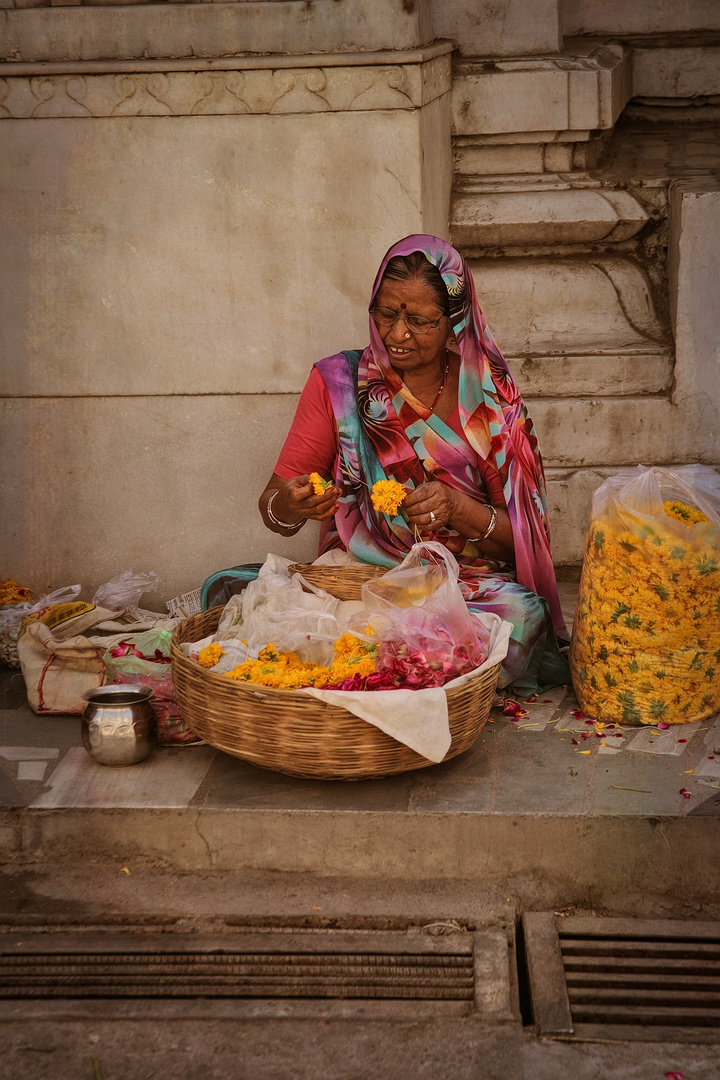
(660, 978)
(323, 964)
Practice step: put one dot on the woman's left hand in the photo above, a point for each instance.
(430, 507)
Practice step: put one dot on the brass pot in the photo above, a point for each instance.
(118, 725)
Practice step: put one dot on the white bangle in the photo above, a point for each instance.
(282, 524)
(491, 526)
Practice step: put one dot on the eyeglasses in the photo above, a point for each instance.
(385, 317)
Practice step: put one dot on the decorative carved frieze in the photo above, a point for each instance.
(196, 93)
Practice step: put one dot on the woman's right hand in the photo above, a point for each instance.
(296, 500)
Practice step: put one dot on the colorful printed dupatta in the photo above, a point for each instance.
(384, 432)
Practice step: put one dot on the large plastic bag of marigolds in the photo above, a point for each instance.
(646, 639)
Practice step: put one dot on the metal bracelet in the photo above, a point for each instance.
(282, 524)
(491, 526)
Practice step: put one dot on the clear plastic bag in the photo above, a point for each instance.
(418, 614)
(125, 591)
(276, 608)
(646, 638)
(144, 659)
(12, 615)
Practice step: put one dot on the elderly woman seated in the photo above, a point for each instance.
(431, 404)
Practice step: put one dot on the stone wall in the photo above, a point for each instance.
(196, 199)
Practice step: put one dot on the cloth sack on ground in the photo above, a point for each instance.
(59, 661)
(12, 615)
(72, 648)
(646, 639)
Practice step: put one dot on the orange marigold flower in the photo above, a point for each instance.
(209, 656)
(12, 593)
(387, 496)
(682, 512)
(320, 486)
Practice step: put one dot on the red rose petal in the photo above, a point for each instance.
(674, 1076)
(685, 793)
(681, 740)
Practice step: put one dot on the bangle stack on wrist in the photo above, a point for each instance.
(488, 531)
(289, 528)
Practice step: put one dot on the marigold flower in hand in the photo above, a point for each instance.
(387, 496)
(320, 486)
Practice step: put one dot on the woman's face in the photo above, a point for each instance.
(411, 353)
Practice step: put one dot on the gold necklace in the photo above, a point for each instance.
(442, 384)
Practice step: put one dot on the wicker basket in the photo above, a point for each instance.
(342, 582)
(293, 733)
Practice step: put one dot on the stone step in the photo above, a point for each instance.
(514, 218)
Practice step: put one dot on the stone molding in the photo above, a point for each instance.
(96, 32)
(559, 215)
(277, 91)
(548, 94)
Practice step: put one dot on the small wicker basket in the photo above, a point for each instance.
(342, 582)
(293, 733)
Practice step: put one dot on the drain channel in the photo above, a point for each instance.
(646, 981)
(234, 974)
(623, 977)
(323, 964)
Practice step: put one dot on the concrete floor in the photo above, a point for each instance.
(533, 817)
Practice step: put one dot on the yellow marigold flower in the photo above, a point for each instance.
(209, 656)
(286, 671)
(387, 496)
(320, 486)
(12, 593)
(646, 644)
(690, 515)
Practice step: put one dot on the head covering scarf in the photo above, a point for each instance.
(495, 422)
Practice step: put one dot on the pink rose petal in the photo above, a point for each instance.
(674, 1076)
(663, 726)
(685, 793)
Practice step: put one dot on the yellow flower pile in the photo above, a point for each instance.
(12, 593)
(288, 672)
(682, 512)
(209, 656)
(387, 496)
(320, 486)
(646, 639)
